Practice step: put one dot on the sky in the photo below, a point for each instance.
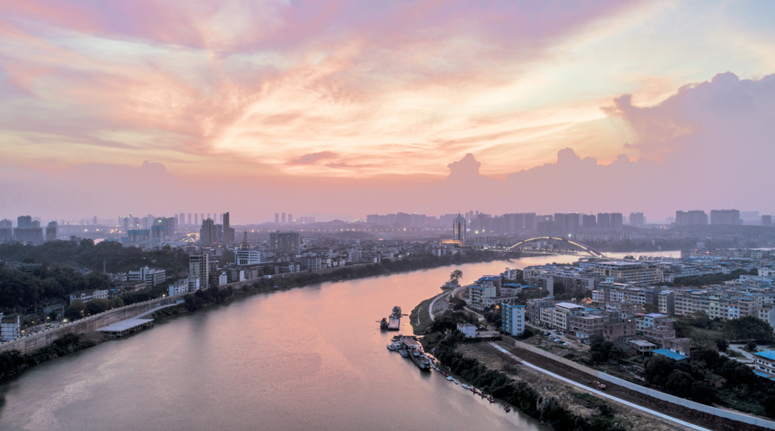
(352, 107)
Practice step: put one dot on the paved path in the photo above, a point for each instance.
(430, 306)
(599, 393)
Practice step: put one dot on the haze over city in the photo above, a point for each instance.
(344, 215)
(357, 108)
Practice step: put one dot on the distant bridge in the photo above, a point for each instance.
(552, 238)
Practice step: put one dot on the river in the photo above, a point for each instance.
(301, 359)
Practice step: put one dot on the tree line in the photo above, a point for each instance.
(86, 254)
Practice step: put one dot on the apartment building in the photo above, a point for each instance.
(584, 326)
(629, 272)
(513, 318)
(561, 315)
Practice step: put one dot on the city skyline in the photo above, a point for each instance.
(370, 109)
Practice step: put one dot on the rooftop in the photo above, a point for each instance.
(124, 325)
(769, 354)
(670, 354)
(568, 305)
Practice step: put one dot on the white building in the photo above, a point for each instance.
(245, 256)
(86, 297)
(467, 329)
(223, 279)
(184, 286)
(152, 277)
(562, 313)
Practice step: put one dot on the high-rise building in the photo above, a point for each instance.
(28, 231)
(95, 220)
(290, 218)
(459, 228)
(285, 242)
(282, 217)
(228, 238)
(51, 231)
(6, 230)
(199, 267)
(181, 219)
(566, 223)
(766, 220)
(616, 221)
(637, 219)
(189, 218)
(725, 217)
(207, 234)
(24, 221)
(277, 217)
(196, 219)
(589, 221)
(687, 218)
(603, 221)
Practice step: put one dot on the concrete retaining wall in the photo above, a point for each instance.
(740, 417)
(92, 323)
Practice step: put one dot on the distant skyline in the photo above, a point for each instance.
(359, 108)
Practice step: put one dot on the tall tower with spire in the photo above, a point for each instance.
(459, 229)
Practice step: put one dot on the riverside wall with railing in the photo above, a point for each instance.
(32, 342)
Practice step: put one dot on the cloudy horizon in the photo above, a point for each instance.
(350, 108)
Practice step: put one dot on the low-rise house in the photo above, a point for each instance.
(467, 329)
(765, 362)
(86, 297)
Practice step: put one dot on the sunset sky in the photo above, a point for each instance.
(356, 107)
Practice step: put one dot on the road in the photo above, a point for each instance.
(599, 393)
(453, 292)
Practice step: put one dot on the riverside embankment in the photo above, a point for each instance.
(295, 358)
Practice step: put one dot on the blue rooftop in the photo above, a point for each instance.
(670, 354)
(760, 374)
(656, 315)
(769, 354)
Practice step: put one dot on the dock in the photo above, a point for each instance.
(394, 323)
(126, 327)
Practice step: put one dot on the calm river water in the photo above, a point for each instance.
(311, 358)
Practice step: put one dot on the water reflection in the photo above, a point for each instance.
(309, 358)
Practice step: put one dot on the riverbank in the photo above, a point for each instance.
(13, 363)
(553, 402)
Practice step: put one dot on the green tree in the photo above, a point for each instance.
(747, 328)
(75, 310)
(456, 275)
(680, 383)
(96, 306)
(722, 345)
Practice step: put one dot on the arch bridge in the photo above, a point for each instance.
(583, 247)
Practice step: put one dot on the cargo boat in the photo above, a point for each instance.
(392, 323)
(409, 347)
